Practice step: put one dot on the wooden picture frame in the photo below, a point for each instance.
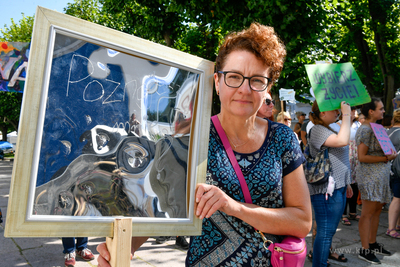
(92, 100)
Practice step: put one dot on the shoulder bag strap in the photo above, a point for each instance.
(393, 132)
(232, 158)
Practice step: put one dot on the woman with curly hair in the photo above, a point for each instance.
(269, 156)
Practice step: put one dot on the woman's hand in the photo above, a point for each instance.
(210, 198)
(392, 156)
(345, 108)
(349, 191)
(104, 257)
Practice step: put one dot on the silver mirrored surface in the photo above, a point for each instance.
(115, 134)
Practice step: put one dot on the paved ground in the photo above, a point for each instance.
(45, 252)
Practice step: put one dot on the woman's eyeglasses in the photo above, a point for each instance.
(269, 101)
(235, 80)
(286, 119)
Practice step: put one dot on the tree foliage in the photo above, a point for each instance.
(363, 32)
(18, 32)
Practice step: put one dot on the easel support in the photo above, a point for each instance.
(119, 245)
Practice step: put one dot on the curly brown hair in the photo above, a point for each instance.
(260, 40)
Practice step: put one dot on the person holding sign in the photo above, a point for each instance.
(329, 206)
(268, 155)
(372, 175)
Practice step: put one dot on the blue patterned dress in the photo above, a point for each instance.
(227, 240)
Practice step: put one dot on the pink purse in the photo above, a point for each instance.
(292, 250)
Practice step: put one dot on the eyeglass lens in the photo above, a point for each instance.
(257, 83)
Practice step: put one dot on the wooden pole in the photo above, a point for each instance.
(119, 245)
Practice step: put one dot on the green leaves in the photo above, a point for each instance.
(21, 32)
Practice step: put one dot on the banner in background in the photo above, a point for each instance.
(334, 83)
(13, 65)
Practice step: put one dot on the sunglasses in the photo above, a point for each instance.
(286, 119)
(269, 101)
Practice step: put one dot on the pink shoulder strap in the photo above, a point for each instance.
(232, 158)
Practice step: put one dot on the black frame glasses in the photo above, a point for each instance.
(252, 81)
(269, 101)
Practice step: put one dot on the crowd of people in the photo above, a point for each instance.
(270, 155)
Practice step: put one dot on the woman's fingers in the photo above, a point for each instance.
(104, 257)
(209, 199)
(200, 190)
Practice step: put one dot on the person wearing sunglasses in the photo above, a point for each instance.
(267, 108)
(284, 117)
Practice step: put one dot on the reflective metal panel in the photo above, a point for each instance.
(116, 132)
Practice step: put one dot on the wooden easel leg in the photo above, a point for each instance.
(119, 245)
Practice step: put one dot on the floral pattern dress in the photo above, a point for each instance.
(372, 178)
(227, 240)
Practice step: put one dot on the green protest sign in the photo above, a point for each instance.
(334, 83)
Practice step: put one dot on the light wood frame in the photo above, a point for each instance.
(18, 223)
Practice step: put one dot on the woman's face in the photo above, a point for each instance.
(286, 120)
(378, 113)
(243, 101)
(330, 116)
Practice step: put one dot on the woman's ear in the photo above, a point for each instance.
(216, 82)
(370, 112)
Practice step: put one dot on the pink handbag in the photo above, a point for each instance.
(292, 251)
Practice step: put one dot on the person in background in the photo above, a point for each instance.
(387, 122)
(372, 174)
(351, 203)
(361, 118)
(134, 125)
(329, 206)
(394, 208)
(73, 246)
(247, 65)
(284, 117)
(301, 116)
(267, 108)
(304, 132)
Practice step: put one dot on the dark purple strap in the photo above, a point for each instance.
(232, 158)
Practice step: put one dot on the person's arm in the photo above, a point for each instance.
(362, 150)
(343, 137)
(297, 128)
(303, 137)
(294, 219)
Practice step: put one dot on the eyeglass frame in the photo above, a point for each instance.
(244, 78)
